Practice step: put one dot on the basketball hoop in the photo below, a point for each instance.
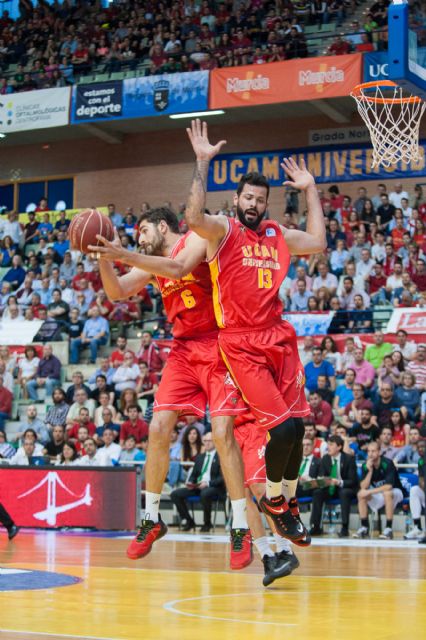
(393, 120)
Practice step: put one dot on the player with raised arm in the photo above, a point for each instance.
(249, 259)
(194, 375)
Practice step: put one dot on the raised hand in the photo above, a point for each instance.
(110, 251)
(198, 136)
(300, 177)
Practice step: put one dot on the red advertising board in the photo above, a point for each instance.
(50, 497)
(288, 81)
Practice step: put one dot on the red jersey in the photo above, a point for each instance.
(188, 302)
(247, 271)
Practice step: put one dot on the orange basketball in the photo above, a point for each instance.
(84, 228)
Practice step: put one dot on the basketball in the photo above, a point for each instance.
(85, 226)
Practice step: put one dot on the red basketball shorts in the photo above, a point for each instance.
(265, 365)
(195, 375)
(252, 442)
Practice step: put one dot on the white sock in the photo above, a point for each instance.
(273, 489)
(262, 546)
(282, 544)
(152, 505)
(289, 488)
(239, 514)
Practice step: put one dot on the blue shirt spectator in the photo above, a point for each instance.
(299, 300)
(408, 396)
(94, 326)
(16, 274)
(62, 245)
(344, 392)
(319, 367)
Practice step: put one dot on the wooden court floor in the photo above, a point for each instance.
(184, 591)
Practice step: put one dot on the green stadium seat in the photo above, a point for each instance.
(101, 77)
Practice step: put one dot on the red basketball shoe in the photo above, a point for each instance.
(147, 534)
(285, 523)
(294, 509)
(241, 548)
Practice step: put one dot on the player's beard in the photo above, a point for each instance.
(251, 224)
(156, 247)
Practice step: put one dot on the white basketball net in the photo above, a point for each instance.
(393, 121)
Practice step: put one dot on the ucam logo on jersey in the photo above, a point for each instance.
(270, 232)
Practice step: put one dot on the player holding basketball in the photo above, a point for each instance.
(194, 374)
(248, 260)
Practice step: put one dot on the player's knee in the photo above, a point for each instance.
(159, 431)
(283, 434)
(223, 433)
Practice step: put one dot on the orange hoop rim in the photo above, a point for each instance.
(357, 92)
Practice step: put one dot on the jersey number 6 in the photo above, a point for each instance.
(188, 299)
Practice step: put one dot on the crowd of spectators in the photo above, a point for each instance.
(372, 392)
(50, 45)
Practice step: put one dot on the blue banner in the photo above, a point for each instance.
(141, 97)
(310, 324)
(376, 66)
(166, 94)
(342, 164)
(97, 101)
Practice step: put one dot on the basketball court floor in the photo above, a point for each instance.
(75, 585)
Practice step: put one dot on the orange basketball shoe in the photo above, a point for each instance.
(147, 534)
(241, 548)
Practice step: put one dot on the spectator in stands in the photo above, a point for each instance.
(321, 413)
(324, 279)
(147, 383)
(347, 299)
(130, 453)
(126, 374)
(34, 423)
(417, 504)
(102, 387)
(6, 398)
(107, 423)
(385, 404)
(365, 265)
(92, 457)
(110, 450)
(407, 397)
(117, 356)
(341, 471)
(305, 353)
(375, 353)
(339, 47)
(58, 309)
(150, 353)
(77, 383)
(7, 451)
(418, 367)
(55, 446)
(379, 487)
(377, 285)
(317, 367)
(388, 373)
(344, 392)
(309, 469)
(396, 196)
(387, 450)
(68, 457)
(24, 456)
(81, 399)
(57, 413)
(83, 420)
(338, 258)
(27, 368)
(48, 374)
(364, 371)
(409, 454)
(104, 403)
(205, 481)
(319, 445)
(324, 390)
(16, 274)
(134, 426)
(67, 270)
(407, 348)
(364, 432)
(360, 319)
(191, 444)
(385, 212)
(299, 300)
(95, 333)
(105, 370)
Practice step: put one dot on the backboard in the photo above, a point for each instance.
(407, 48)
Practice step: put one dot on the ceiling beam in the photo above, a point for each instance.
(105, 136)
(331, 112)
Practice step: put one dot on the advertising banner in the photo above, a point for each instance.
(412, 320)
(166, 94)
(34, 109)
(376, 66)
(288, 81)
(309, 324)
(345, 164)
(74, 497)
(97, 101)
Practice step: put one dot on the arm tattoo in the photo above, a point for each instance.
(197, 194)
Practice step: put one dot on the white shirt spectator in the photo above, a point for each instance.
(359, 285)
(408, 351)
(8, 381)
(395, 198)
(27, 367)
(378, 252)
(329, 282)
(12, 229)
(67, 295)
(125, 377)
(98, 460)
(111, 452)
(363, 269)
(394, 282)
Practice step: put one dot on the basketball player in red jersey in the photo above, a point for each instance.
(249, 259)
(194, 374)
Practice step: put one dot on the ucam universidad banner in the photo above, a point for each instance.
(97, 101)
(345, 164)
(288, 81)
(34, 109)
(376, 66)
